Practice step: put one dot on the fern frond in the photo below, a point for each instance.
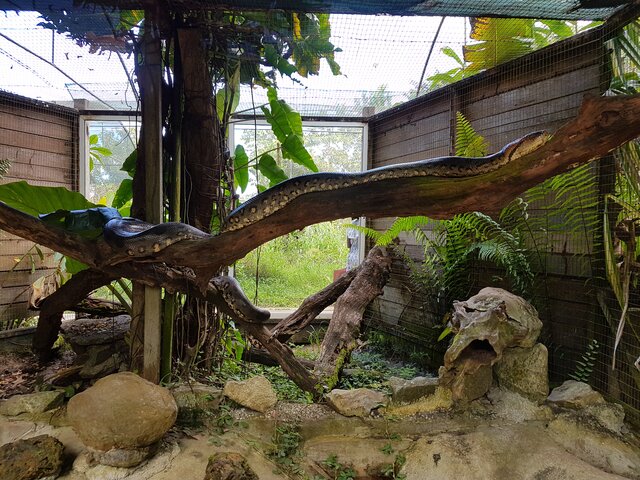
(5, 165)
(468, 142)
(401, 224)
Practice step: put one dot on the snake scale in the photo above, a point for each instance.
(276, 198)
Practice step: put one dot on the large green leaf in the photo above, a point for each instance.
(241, 168)
(36, 200)
(270, 169)
(294, 149)
(124, 193)
(287, 127)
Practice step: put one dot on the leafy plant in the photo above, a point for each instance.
(337, 470)
(285, 448)
(96, 151)
(584, 366)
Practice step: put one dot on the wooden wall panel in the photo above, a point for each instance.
(40, 141)
(538, 92)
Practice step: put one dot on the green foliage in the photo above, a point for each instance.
(241, 168)
(468, 142)
(37, 200)
(584, 366)
(294, 266)
(96, 152)
(371, 369)
(498, 40)
(285, 448)
(337, 470)
(287, 127)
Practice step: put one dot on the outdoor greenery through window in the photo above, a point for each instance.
(110, 142)
(288, 269)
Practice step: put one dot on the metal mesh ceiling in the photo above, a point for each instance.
(382, 57)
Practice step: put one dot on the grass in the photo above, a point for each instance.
(292, 267)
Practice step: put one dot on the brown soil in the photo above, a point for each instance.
(19, 373)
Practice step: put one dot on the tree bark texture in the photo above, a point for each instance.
(201, 145)
(344, 329)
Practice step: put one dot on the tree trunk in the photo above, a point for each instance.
(341, 337)
(202, 139)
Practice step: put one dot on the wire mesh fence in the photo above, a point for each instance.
(507, 76)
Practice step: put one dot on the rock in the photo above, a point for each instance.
(524, 371)
(359, 402)
(194, 400)
(485, 325)
(32, 403)
(255, 393)
(610, 416)
(512, 407)
(228, 466)
(83, 332)
(468, 381)
(31, 459)
(122, 457)
(522, 451)
(156, 467)
(122, 411)
(598, 448)
(439, 401)
(403, 391)
(573, 394)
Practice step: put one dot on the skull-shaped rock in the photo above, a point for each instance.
(485, 325)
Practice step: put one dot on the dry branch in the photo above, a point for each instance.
(344, 329)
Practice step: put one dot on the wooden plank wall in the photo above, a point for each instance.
(538, 92)
(41, 142)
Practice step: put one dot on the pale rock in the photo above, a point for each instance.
(609, 415)
(194, 400)
(359, 402)
(574, 394)
(32, 403)
(596, 447)
(122, 411)
(403, 391)
(524, 371)
(255, 393)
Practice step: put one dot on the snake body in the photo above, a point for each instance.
(141, 239)
(276, 198)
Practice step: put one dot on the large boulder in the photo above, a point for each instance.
(255, 393)
(485, 326)
(122, 412)
(574, 394)
(468, 381)
(525, 371)
(359, 402)
(31, 459)
(32, 403)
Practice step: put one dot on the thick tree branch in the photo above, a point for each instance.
(603, 124)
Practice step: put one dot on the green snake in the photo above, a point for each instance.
(278, 197)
